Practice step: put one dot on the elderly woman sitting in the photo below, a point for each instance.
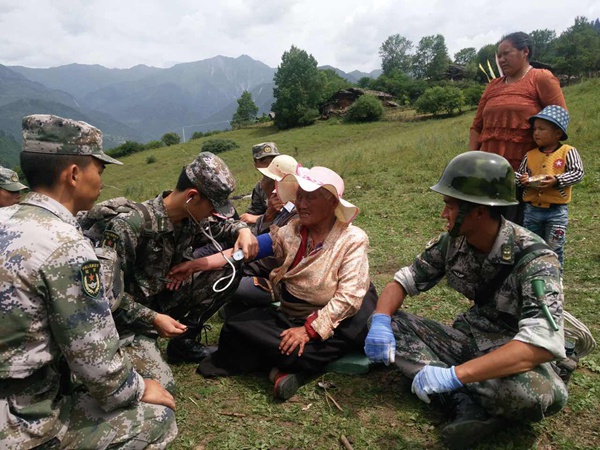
(322, 283)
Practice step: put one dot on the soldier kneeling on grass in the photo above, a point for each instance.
(498, 360)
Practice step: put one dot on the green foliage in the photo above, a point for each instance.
(9, 150)
(264, 118)
(465, 55)
(578, 49)
(153, 144)
(171, 138)
(332, 83)
(431, 60)
(365, 82)
(440, 99)
(197, 135)
(404, 88)
(219, 145)
(298, 89)
(151, 159)
(128, 148)
(395, 53)
(542, 41)
(367, 108)
(211, 133)
(246, 111)
(473, 93)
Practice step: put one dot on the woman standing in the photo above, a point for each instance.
(501, 125)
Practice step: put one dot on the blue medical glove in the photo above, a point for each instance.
(435, 380)
(380, 344)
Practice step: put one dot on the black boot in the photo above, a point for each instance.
(471, 422)
(188, 348)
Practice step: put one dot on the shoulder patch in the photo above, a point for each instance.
(433, 241)
(507, 252)
(90, 278)
(110, 239)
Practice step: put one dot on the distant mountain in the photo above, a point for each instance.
(147, 102)
(353, 76)
(9, 150)
(20, 96)
(81, 79)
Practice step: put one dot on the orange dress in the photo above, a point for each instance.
(503, 113)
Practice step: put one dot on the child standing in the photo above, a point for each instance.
(548, 173)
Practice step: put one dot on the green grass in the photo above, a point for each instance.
(388, 167)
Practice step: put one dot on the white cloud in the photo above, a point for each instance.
(346, 34)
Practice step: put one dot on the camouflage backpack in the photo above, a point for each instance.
(95, 221)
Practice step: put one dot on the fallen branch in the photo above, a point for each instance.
(328, 395)
(346, 442)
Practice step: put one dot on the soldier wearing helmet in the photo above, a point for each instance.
(497, 362)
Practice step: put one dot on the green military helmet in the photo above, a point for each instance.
(479, 177)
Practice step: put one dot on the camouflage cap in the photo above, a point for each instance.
(43, 133)
(9, 180)
(264, 149)
(211, 176)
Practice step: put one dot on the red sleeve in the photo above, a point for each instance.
(548, 90)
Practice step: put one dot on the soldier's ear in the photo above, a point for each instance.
(71, 174)
(191, 194)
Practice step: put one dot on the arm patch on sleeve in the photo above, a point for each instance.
(90, 278)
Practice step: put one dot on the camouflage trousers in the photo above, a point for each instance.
(138, 426)
(528, 396)
(147, 360)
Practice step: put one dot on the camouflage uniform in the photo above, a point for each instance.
(259, 200)
(170, 245)
(48, 311)
(10, 187)
(510, 312)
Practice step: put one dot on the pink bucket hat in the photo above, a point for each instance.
(312, 179)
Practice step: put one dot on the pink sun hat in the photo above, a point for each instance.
(312, 179)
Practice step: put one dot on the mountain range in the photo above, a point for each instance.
(140, 103)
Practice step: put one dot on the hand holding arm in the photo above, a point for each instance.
(247, 242)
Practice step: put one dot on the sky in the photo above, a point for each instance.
(345, 34)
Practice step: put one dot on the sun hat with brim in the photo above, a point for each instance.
(9, 180)
(555, 114)
(44, 133)
(312, 179)
(281, 166)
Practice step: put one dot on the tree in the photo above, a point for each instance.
(465, 55)
(431, 60)
(395, 54)
(440, 99)
(197, 135)
(542, 41)
(486, 54)
(332, 83)
(367, 108)
(365, 82)
(171, 138)
(246, 111)
(578, 49)
(298, 89)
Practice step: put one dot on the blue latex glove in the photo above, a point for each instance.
(435, 380)
(380, 344)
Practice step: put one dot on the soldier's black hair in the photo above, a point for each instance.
(42, 170)
(520, 41)
(183, 182)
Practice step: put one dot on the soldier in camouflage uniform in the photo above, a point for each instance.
(497, 360)
(10, 187)
(63, 381)
(262, 154)
(181, 222)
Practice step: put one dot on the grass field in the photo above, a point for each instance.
(388, 167)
